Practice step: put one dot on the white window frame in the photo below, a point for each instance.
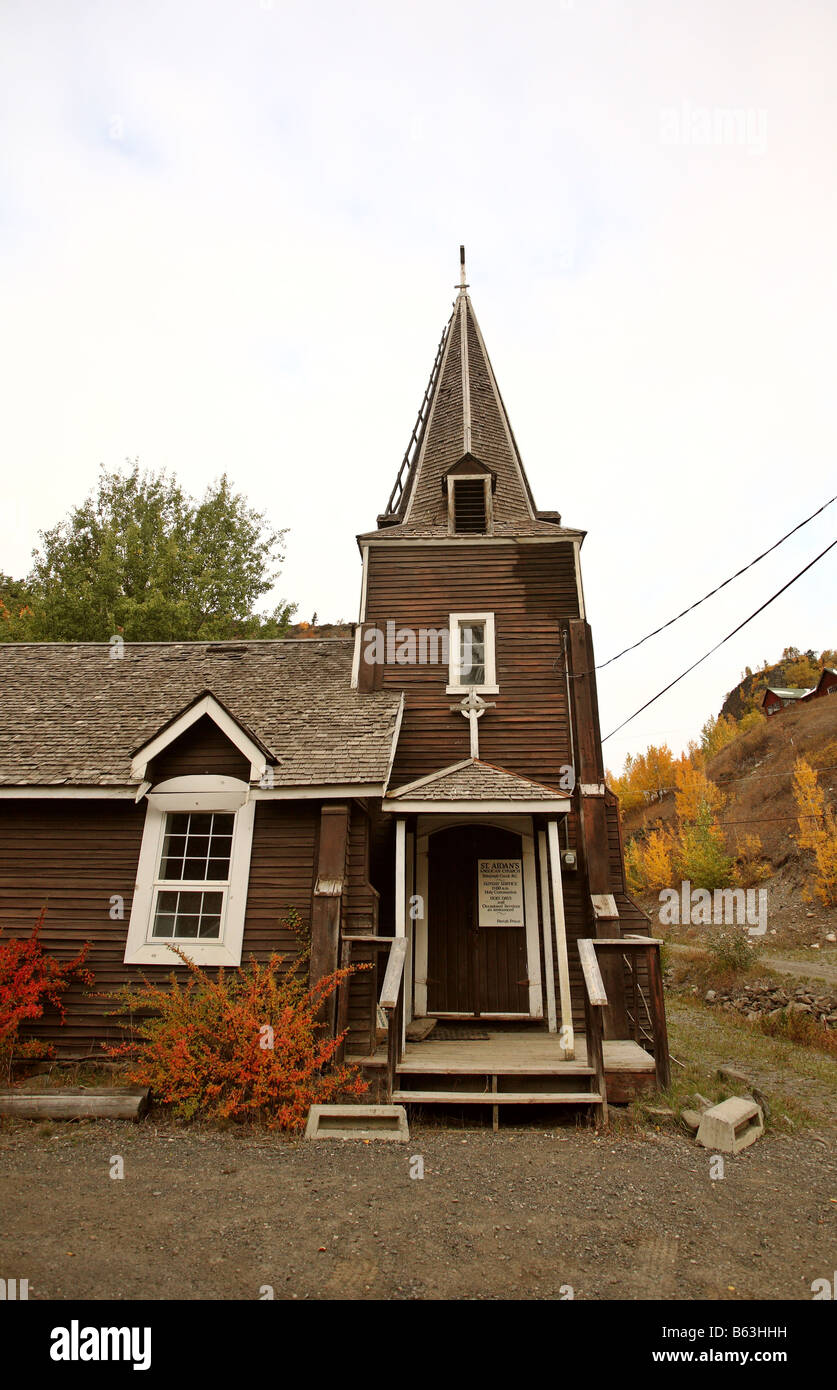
(141, 948)
(489, 686)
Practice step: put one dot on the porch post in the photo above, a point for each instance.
(408, 964)
(530, 912)
(326, 903)
(548, 961)
(561, 939)
(400, 878)
(420, 928)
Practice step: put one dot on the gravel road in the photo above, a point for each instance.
(202, 1213)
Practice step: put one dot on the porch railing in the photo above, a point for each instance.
(645, 950)
(595, 1002)
(392, 1003)
(390, 1000)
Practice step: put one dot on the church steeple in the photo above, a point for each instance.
(462, 425)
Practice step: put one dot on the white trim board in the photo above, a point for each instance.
(431, 777)
(530, 906)
(317, 792)
(41, 793)
(445, 539)
(396, 734)
(361, 615)
(475, 808)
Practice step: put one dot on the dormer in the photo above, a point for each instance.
(469, 487)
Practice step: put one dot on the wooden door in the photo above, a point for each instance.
(471, 969)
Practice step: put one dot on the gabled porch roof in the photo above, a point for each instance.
(475, 786)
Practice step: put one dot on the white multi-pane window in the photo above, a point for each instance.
(193, 871)
(197, 850)
(472, 654)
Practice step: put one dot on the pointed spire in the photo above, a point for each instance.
(462, 414)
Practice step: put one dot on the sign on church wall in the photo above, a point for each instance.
(500, 895)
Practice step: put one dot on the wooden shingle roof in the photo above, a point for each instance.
(475, 780)
(72, 715)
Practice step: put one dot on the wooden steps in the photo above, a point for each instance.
(514, 1066)
(497, 1097)
(430, 1067)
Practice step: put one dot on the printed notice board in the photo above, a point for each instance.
(500, 893)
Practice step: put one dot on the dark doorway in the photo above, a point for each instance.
(472, 968)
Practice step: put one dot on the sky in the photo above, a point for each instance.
(229, 242)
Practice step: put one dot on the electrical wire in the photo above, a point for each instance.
(712, 592)
(717, 645)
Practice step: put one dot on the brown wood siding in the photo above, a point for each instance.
(202, 749)
(360, 901)
(360, 914)
(74, 855)
(530, 589)
(281, 876)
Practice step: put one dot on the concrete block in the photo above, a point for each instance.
(691, 1119)
(358, 1122)
(731, 1126)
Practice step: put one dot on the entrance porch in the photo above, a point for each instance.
(496, 932)
(511, 1065)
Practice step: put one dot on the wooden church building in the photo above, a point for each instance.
(427, 795)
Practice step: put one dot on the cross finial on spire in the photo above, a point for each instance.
(463, 284)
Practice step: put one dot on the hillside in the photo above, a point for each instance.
(795, 670)
(755, 773)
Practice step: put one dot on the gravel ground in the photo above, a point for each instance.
(202, 1213)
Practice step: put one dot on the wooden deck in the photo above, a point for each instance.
(513, 1065)
(527, 1052)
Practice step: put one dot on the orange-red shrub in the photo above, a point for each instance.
(28, 981)
(243, 1045)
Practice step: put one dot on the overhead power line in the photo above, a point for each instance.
(712, 592)
(735, 630)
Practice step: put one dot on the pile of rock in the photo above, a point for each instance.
(764, 997)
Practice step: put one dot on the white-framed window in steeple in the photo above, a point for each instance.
(473, 661)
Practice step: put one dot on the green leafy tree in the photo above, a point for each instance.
(702, 857)
(141, 558)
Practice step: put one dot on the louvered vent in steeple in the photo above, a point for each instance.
(470, 514)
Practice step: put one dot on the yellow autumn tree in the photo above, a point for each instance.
(810, 804)
(656, 859)
(717, 733)
(817, 831)
(635, 876)
(751, 867)
(695, 790)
